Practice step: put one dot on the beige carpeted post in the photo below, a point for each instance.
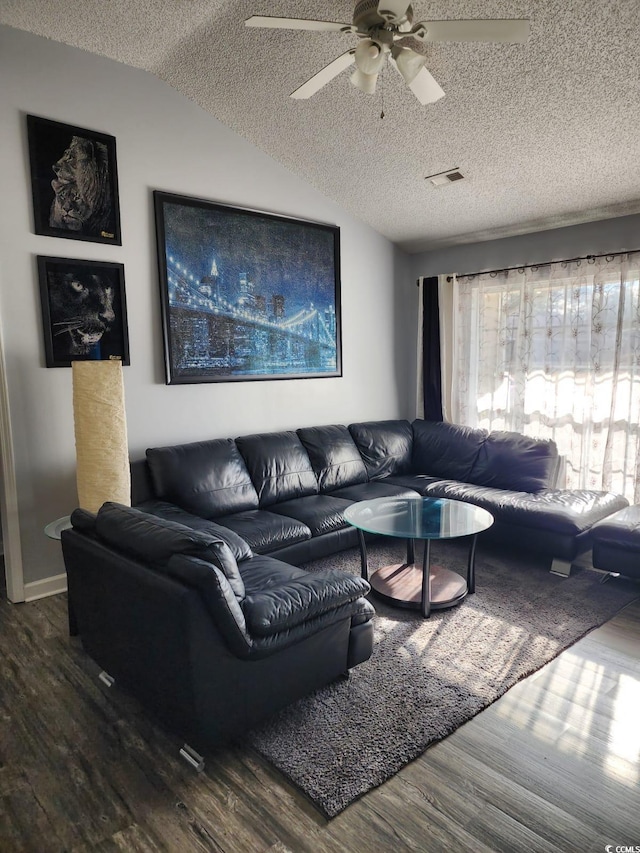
(102, 453)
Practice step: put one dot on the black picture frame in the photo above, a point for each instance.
(246, 295)
(84, 311)
(74, 182)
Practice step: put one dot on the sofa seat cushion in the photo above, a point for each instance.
(299, 600)
(207, 478)
(266, 531)
(508, 460)
(156, 540)
(374, 489)
(445, 450)
(385, 446)
(264, 646)
(239, 548)
(279, 466)
(417, 482)
(321, 513)
(262, 572)
(264, 577)
(562, 511)
(334, 456)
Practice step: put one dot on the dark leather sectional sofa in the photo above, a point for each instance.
(210, 639)
(190, 599)
(284, 493)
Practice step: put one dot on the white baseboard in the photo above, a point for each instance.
(43, 588)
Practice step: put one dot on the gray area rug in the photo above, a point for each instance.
(427, 677)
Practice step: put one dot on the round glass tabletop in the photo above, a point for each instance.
(418, 518)
(54, 529)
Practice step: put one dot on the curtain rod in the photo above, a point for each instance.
(522, 267)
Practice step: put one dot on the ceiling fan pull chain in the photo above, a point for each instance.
(382, 94)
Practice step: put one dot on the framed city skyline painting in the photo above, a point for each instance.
(246, 295)
(74, 182)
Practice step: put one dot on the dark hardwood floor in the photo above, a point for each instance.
(554, 765)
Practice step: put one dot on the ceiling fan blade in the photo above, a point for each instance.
(393, 11)
(315, 83)
(296, 24)
(424, 86)
(498, 30)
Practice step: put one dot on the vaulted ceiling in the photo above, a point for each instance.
(546, 133)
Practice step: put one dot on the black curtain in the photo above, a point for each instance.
(431, 375)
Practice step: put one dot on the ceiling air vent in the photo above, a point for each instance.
(441, 179)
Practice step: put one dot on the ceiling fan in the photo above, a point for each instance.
(386, 32)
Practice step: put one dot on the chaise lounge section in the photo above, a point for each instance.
(513, 477)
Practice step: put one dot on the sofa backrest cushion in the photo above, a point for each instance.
(155, 540)
(206, 478)
(385, 447)
(446, 450)
(279, 466)
(172, 512)
(141, 483)
(508, 460)
(334, 456)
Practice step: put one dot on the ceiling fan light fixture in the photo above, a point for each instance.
(369, 56)
(409, 63)
(381, 27)
(365, 82)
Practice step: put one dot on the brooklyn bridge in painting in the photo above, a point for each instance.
(226, 328)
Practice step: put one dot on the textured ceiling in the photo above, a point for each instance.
(546, 133)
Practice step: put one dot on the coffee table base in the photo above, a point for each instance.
(401, 585)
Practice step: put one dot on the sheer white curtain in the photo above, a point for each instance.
(554, 352)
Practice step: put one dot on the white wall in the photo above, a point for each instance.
(166, 142)
(621, 234)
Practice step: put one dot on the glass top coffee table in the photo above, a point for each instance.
(424, 587)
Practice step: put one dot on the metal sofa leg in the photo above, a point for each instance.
(72, 621)
(192, 757)
(105, 678)
(187, 752)
(561, 568)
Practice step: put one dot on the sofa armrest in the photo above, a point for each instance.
(82, 519)
(298, 600)
(155, 540)
(559, 478)
(218, 596)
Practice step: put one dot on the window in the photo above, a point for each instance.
(554, 352)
